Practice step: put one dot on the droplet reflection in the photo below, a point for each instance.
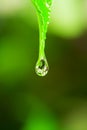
(42, 67)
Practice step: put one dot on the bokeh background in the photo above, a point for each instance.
(59, 100)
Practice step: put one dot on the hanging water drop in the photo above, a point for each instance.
(43, 8)
(42, 67)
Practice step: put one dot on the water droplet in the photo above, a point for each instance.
(42, 67)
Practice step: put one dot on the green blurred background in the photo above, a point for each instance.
(59, 100)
